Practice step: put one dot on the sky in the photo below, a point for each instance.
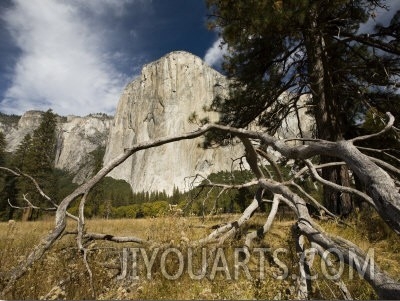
(76, 56)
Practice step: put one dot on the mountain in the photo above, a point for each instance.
(156, 104)
(77, 137)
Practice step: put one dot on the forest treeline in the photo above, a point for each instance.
(112, 198)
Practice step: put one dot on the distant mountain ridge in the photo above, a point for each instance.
(76, 138)
(158, 103)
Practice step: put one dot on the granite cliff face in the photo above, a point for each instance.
(76, 138)
(157, 104)
(16, 131)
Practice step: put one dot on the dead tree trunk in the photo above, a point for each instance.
(326, 114)
(382, 193)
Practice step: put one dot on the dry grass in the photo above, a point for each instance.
(61, 274)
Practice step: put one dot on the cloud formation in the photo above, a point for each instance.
(65, 62)
(382, 16)
(215, 54)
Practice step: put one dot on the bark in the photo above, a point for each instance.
(385, 286)
(326, 114)
(221, 234)
(260, 233)
(380, 188)
(47, 242)
(339, 282)
(339, 203)
(304, 281)
(27, 214)
(379, 185)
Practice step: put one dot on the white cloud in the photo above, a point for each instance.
(215, 54)
(100, 7)
(64, 63)
(382, 16)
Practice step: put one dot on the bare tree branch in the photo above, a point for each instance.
(113, 238)
(314, 202)
(260, 233)
(304, 281)
(30, 205)
(305, 169)
(339, 282)
(222, 233)
(251, 157)
(275, 166)
(381, 191)
(385, 165)
(388, 126)
(338, 187)
(381, 151)
(39, 189)
(385, 286)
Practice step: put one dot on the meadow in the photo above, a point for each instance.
(61, 273)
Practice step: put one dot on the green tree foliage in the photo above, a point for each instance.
(20, 157)
(97, 158)
(155, 209)
(9, 120)
(129, 211)
(64, 184)
(35, 156)
(389, 143)
(41, 155)
(16, 186)
(273, 47)
(109, 191)
(3, 177)
(2, 149)
(206, 200)
(307, 47)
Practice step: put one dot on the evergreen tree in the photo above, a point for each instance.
(41, 154)
(2, 149)
(3, 176)
(307, 47)
(20, 186)
(35, 156)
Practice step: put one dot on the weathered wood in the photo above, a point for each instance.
(381, 192)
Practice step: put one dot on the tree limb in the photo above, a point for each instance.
(381, 190)
(338, 187)
(260, 233)
(388, 126)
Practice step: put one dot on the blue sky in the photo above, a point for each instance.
(76, 56)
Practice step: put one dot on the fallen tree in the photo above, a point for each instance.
(380, 179)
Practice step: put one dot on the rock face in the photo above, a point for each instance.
(15, 132)
(158, 104)
(290, 125)
(76, 138)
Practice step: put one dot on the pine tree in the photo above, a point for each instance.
(2, 149)
(306, 47)
(19, 161)
(3, 176)
(35, 156)
(41, 154)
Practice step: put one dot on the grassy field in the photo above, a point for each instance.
(61, 274)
